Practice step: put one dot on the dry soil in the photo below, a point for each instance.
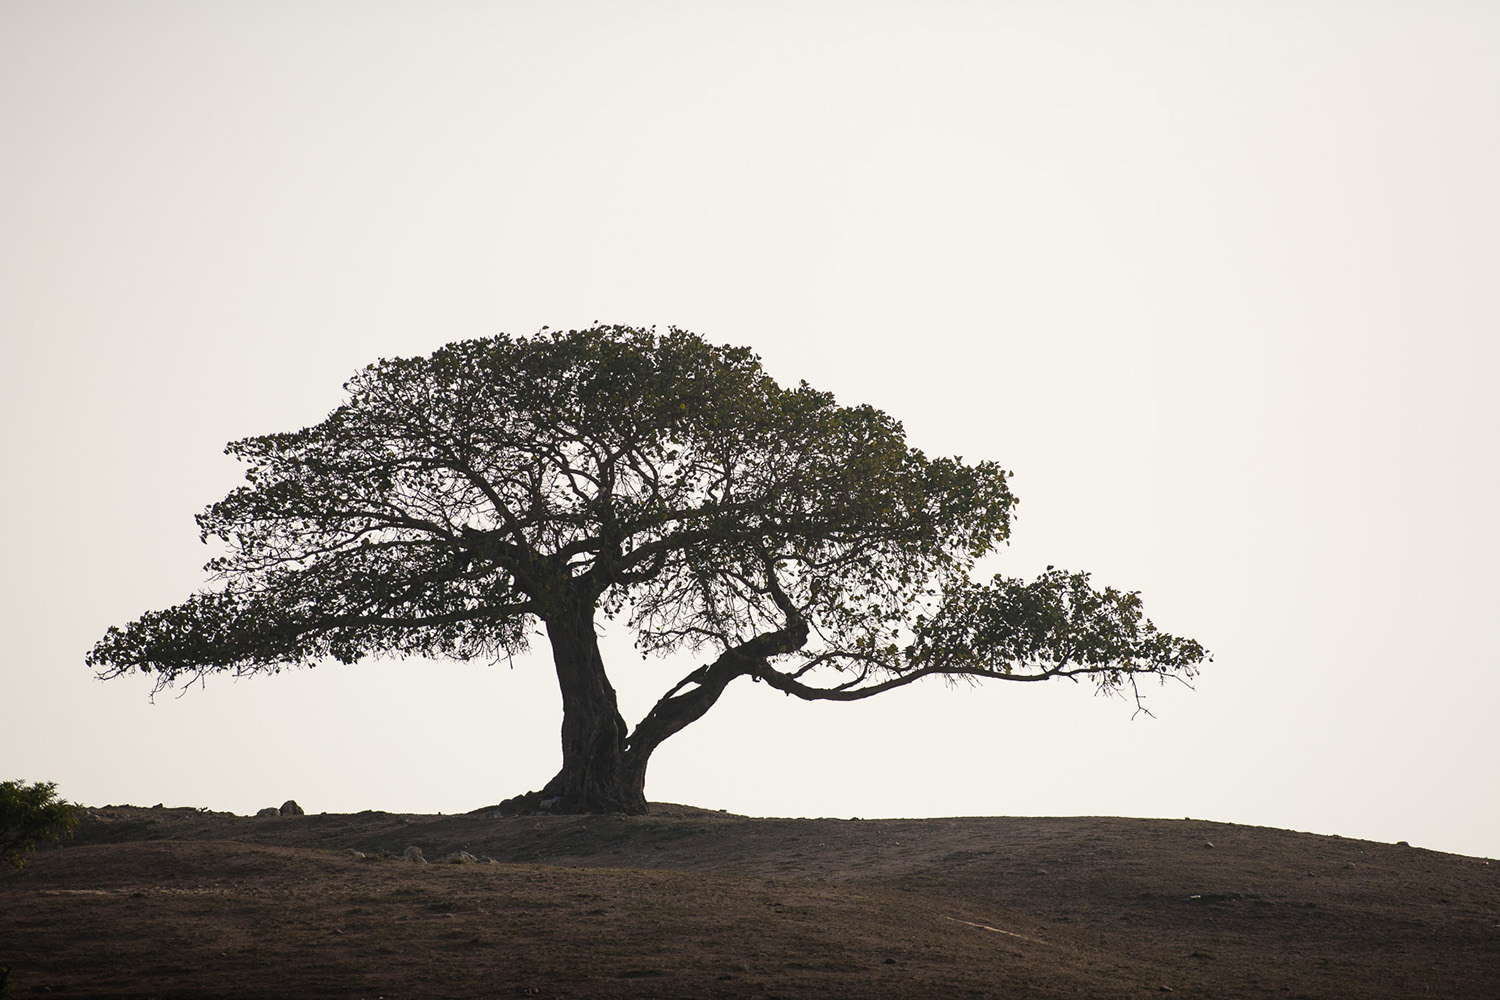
(177, 903)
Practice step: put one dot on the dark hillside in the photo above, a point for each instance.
(686, 902)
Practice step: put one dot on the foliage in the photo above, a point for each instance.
(29, 813)
(454, 502)
(456, 497)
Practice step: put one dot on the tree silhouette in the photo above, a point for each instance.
(456, 501)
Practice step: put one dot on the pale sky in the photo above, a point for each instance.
(1220, 282)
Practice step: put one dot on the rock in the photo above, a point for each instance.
(460, 858)
(356, 855)
(414, 855)
(269, 811)
(291, 808)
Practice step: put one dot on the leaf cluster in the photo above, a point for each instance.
(1056, 625)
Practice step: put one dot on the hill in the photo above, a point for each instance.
(177, 903)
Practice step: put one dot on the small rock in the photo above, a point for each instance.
(1208, 843)
(1402, 843)
(356, 855)
(291, 808)
(269, 811)
(414, 855)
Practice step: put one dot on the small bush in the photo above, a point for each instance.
(29, 813)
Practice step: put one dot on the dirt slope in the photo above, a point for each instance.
(689, 903)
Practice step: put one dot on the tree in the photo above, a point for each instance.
(29, 813)
(453, 502)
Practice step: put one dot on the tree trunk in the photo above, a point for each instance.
(594, 776)
(604, 766)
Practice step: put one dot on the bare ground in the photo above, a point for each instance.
(176, 903)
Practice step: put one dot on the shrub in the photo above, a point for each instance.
(29, 813)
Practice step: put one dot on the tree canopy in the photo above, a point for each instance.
(455, 501)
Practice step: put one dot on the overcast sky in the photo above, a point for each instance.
(1220, 282)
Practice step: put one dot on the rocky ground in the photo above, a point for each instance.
(176, 903)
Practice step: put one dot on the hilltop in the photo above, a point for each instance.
(686, 902)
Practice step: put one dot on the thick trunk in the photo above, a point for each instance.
(604, 766)
(594, 776)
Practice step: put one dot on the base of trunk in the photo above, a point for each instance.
(566, 797)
